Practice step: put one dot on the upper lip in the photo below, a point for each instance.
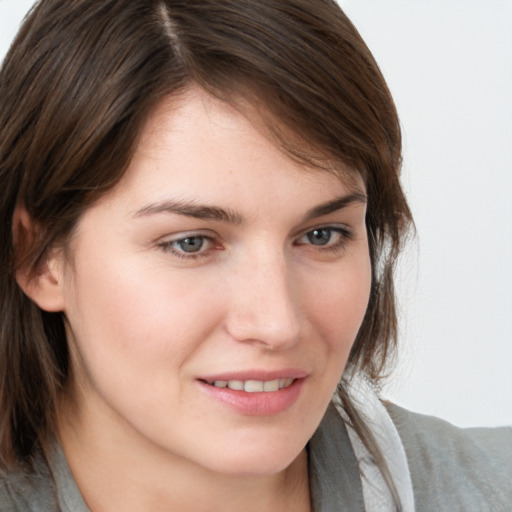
(260, 375)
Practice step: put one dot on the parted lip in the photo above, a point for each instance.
(256, 374)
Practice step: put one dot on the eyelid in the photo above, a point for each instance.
(340, 237)
(167, 244)
(337, 227)
(181, 235)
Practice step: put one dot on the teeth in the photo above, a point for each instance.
(271, 385)
(237, 385)
(254, 386)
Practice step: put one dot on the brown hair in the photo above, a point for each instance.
(75, 90)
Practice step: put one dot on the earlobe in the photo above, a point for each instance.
(44, 283)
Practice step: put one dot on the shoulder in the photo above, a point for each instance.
(28, 490)
(453, 468)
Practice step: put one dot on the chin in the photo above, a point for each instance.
(258, 467)
(255, 459)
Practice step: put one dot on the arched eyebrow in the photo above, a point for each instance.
(215, 213)
(335, 205)
(191, 209)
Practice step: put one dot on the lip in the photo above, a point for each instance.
(259, 403)
(265, 375)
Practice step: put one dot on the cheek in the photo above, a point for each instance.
(340, 304)
(146, 313)
(336, 307)
(134, 330)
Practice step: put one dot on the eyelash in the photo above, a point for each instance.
(344, 236)
(169, 246)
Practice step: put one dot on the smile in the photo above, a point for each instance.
(253, 397)
(253, 386)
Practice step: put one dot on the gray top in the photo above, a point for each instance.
(452, 470)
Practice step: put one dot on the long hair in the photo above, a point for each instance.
(76, 88)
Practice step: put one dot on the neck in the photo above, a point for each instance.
(116, 470)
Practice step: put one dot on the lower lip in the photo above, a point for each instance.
(256, 404)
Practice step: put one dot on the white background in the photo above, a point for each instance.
(449, 67)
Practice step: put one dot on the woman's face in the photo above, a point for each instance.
(213, 296)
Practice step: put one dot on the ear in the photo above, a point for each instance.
(44, 284)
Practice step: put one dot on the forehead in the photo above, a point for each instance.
(199, 153)
(212, 139)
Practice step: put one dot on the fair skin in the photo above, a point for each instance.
(216, 258)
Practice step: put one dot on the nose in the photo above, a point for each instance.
(265, 302)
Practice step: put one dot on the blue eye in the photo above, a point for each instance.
(326, 238)
(190, 244)
(320, 236)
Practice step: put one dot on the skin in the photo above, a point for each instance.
(147, 320)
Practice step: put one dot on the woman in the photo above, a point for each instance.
(201, 212)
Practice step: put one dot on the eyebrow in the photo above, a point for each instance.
(335, 205)
(215, 213)
(191, 209)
